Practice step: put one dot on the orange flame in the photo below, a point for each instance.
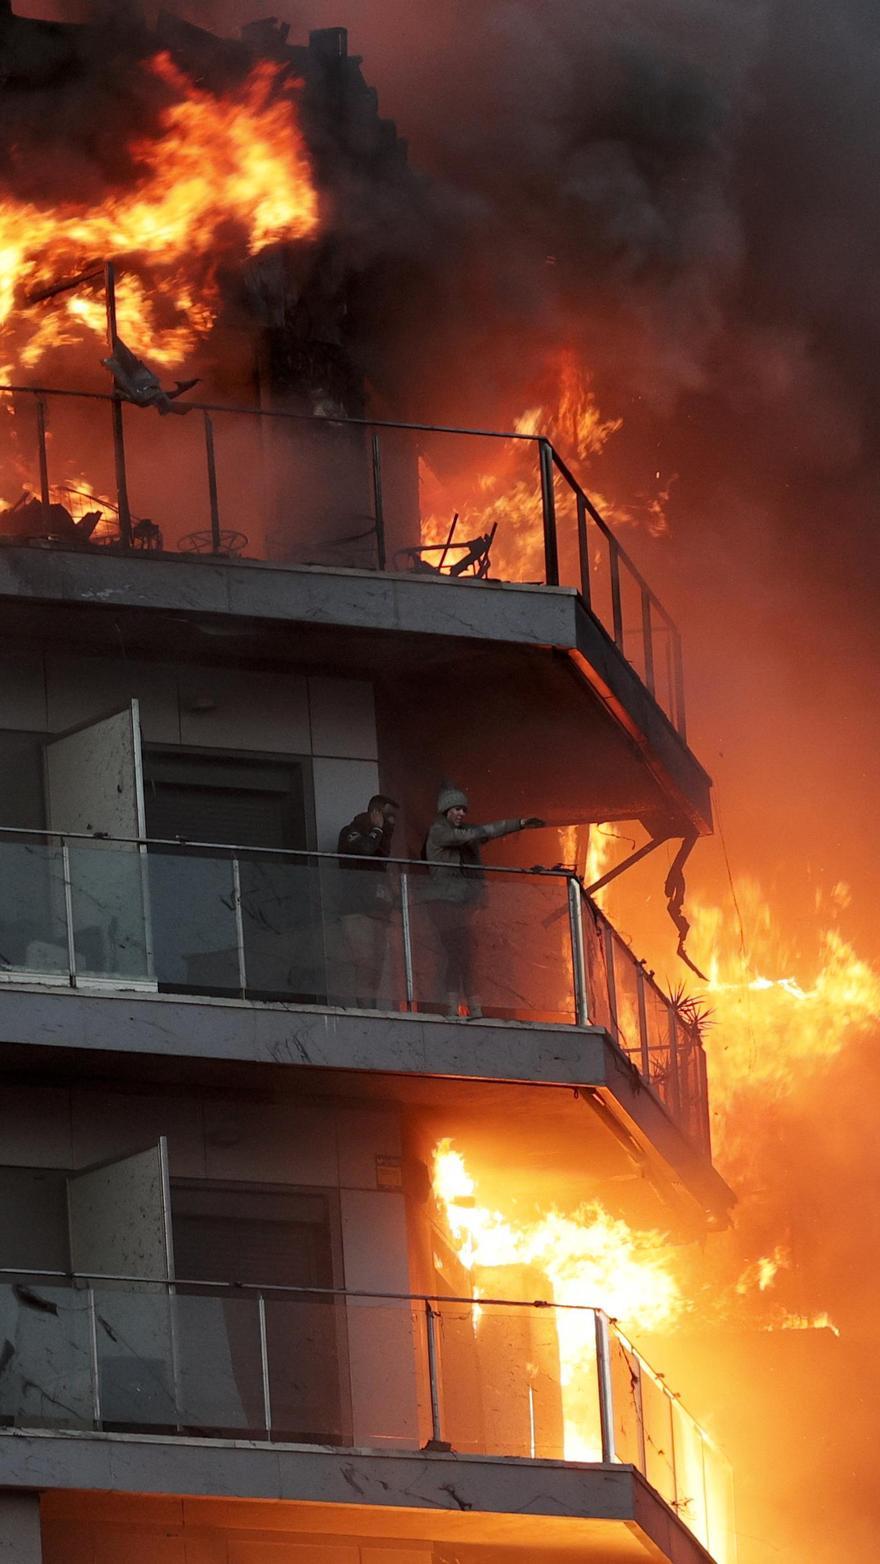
(219, 167)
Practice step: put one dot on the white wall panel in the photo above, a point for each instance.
(222, 708)
(342, 789)
(35, 1127)
(274, 1143)
(364, 1135)
(23, 692)
(110, 1124)
(80, 688)
(343, 718)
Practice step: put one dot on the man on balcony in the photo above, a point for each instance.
(457, 888)
(366, 900)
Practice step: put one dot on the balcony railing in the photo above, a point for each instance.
(313, 928)
(353, 1369)
(355, 493)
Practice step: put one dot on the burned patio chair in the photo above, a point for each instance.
(474, 562)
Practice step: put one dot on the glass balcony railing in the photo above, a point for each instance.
(377, 1371)
(316, 929)
(244, 483)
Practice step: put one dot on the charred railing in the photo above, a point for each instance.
(288, 488)
(385, 1371)
(313, 928)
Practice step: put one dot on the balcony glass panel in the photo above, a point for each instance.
(46, 1380)
(107, 886)
(195, 931)
(136, 1350)
(500, 940)
(626, 1399)
(500, 1379)
(33, 920)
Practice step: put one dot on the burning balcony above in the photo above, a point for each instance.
(230, 527)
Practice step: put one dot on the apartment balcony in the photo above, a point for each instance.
(239, 524)
(507, 1415)
(214, 953)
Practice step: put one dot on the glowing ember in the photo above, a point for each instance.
(223, 175)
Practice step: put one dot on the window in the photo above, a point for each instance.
(271, 1239)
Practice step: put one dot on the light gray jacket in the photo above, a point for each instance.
(454, 855)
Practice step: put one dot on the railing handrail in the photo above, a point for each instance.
(541, 441)
(320, 419)
(262, 1289)
(236, 848)
(281, 1287)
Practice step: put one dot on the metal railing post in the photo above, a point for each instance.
(583, 547)
(678, 667)
(68, 912)
(616, 605)
(647, 638)
(548, 507)
(93, 1358)
(378, 501)
(43, 459)
(213, 496)
(608, 943)
(578, 963)
(643, 1025)
(122, 505)
(406, 930)
(606, 1394)
(239, 927)
(264, 1364)
(674, 1082)
(436, 1441)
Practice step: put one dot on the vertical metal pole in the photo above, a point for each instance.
(616, 607)
(704, 1121)
(44, 459)
(674, 1083)
(648, 639)
(583, 547)
(640, 1417)
(264, 1365)
(579, 966)
(548, 505)
(378, 503)
(606, 1396)
(406, 929)
(213, 499)
(239, 927)
(68, 911)
(680, 719)
(608, 942)
(93, 1357)
(643, 1025)
(116, 406)
(436, 1420)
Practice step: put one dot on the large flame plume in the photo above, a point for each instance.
(224, 177)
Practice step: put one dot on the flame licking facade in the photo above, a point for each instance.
(239, 1261)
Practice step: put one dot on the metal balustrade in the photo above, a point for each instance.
(355, 1370)
(286, 488)
(290, 927)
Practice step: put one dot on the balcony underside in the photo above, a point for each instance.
(607, 749)
(503, 1509)
(592, 1110)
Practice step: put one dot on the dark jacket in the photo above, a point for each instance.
(363, 884)
(454, 855)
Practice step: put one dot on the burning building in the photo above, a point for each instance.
(253, 1305)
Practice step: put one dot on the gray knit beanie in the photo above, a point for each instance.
(451, 797)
